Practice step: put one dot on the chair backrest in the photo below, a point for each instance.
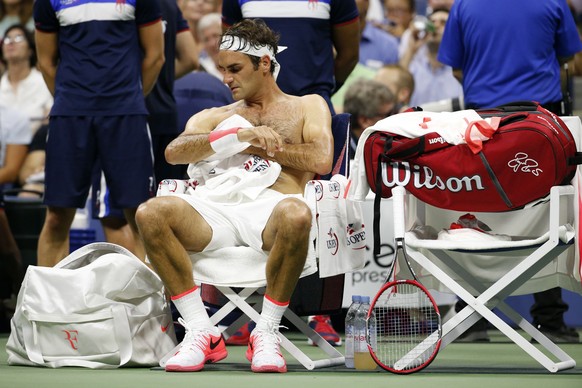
(340, 129)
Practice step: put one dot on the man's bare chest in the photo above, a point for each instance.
(288, 122)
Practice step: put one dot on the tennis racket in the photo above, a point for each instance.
(405, 335)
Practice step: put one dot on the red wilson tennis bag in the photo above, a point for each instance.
(531, 151)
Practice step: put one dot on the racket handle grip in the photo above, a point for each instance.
(398, 193)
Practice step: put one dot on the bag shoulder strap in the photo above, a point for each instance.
(87, 254)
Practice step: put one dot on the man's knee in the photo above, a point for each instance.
(60, 219)
(154, 214)
(295, 214)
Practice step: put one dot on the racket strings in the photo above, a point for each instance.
(407, 327)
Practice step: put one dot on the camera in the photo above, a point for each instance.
(422, 26)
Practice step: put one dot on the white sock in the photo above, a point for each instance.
(272, 313)
(192, 309)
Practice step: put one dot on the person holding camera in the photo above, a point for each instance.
(434, 81)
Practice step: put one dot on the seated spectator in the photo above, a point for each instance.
(16, 12)
(31, 175)
(209, 31)
(22, 86)
(194, 10)
(294, 135)
(15, 136)
(398, 15)
(400, 82)
(377, 47)
(359, 72)
(368, 102)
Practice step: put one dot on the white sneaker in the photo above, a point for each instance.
(197, 348)
(264, 352)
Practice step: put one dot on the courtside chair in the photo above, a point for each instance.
(544, 254)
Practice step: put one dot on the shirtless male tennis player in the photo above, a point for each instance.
(287, 131)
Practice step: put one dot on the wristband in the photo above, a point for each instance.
(225, 142)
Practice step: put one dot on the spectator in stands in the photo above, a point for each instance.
(22, 86)
(16, 12)
(368, 102)
(209, 31)
(31, 174)
(15, 135)
(398, 15)
(433, 5)
(400, 82)
(434, 81)
(194, 10)
(526, 66)
(377, 47)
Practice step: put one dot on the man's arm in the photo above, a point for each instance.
(151, 40)
(186, 54)
(47, 52)
(33, 163)
(192, 145)
(15, 154)
(346, 41)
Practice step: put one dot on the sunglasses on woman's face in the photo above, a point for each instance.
(13, 39)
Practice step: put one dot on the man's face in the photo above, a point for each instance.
(15, 46)
(399, 12)
(238, 73)
(439, 20)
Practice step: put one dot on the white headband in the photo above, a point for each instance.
(234, 43)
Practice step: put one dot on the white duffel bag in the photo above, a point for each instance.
(100, 307)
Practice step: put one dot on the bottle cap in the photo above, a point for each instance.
(365, 299)
(356, 298)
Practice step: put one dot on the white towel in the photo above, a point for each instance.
(238, 266)
(233, 180)
(340, 235)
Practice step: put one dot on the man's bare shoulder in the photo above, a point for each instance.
(314, 102)
(207, 119)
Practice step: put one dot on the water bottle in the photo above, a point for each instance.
(350, 316)
(362, 358)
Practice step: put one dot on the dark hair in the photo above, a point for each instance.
(256, 33)
(29, 39)
(439, 9)
(411, 5)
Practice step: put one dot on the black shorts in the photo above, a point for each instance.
(122, 146)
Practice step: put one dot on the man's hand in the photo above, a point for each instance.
(262, 137)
